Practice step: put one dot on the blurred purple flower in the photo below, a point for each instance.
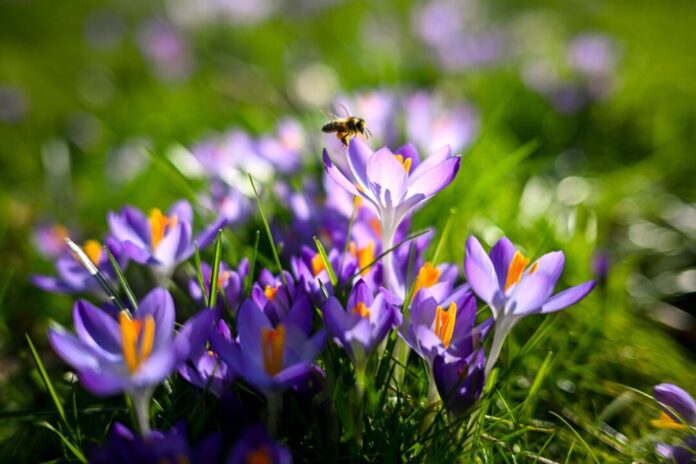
(49, 239)
(284, 149)
(206, 370)
(309, 269)
(164, 46)
(512, 291)
(230, 282)
(133, 354)
(256, 447)
(678, 413)
(13, 104)
(231, 205)
(363, 325)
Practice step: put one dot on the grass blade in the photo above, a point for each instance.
(71, 446)
(327, 264)
(47, 382)
(216, 270)
(199, 273)
(122, 279)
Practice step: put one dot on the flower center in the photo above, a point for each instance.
(444, 323)
(365, 255)
(405, 162)
(159, 224)
(428, 275)
(259, 456)
(270, 292)
(516, 269)
(223, 278)
(93, 250)
(317, 265)
(665, 421)
(362, 310)
(272, 342)
(132, 332)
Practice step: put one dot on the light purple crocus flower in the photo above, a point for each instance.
(131, 354)
(73, 277)
(206, 370)
(388, 182)
(514, 291)
(363, 325)
(284, 149)
(159, 240)
(162, 44)
(678, 413)
(270, 356)
(310, 270)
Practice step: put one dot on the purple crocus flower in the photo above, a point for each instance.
(310, 270)
(444, 327)
(459, 381)
(270, 356)
(231, 205)
(363, 325)
(73, 277)
(162, 44)
(514, 291)
(678, 413)
(131, 354)
(285, 148)
(159, 240)
(49, 239)
(281, 303)
(230, 282)
(123, 445)
(388, 182)
(206, 370)
(256, 447)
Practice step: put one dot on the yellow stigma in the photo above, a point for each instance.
(405, 162)
(317, 265)
(270, 292)
(259, 456)
(93, 250)
(362, 310)
(133, 331)
(428, 275)
(158, 226)
(357, 202)
(444, 323)
(665, 421)
(272, 343)
(516, 269)
(365, 255)
(223, 278)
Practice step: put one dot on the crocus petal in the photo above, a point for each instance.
(137, 253)
(678, 399)
(97, 328)
(156, 368)
(250, 321)
(183, 211)
(501, 256)
(72, 350)
(480, 272)
(52, 284)
(130, 225)
(300, 314)
(336, 320)
(190, 340)
(359, 154)
(338, 176)
(567, 297)
(292, 375)
(104, 382)
(388, 178)
(166, 252)
(360, 294)
(529, 294)
(551, 264)
(159, 304)
(435, 179)
(439, 156)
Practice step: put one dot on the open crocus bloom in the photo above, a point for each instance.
(131, 354)
(394, 183)
(673, 400)
(161, 240)
(365, 322)
(268, 356)
(309, 268)
(513, 289)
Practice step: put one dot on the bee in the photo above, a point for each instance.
(346, 127)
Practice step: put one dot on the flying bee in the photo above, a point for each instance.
(347, 127)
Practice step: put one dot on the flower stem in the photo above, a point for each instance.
(141, 405)
(274, 404)
(502, 329)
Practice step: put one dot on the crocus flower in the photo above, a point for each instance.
(206, 370)
(459, 381)
(388, 182)
(230, 282)
(49, 239)
(513, 290)
(280, 302)
(131, 354)
(162, 44)
(256, 447)
(678, 413)
(363, 325)
(230, 204)
(285, 148)
(444, 327)
(123, 445)
(73, 277)
(270, 356)
(159, 240)
(310, 270)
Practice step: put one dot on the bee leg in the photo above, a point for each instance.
(345, 138)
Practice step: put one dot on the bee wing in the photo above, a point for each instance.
(368, 134)
(330, 115)
(345, 110)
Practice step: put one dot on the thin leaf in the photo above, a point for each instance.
(327, 264)
(199, 273)
(216, 270)
(122, 279)
(71, 446)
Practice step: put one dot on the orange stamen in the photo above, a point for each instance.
(272, 343)
(317, 265)
(444, 323)
(159, 223)
(357, 202)
(259, 456)
(93, 250)
(131, 331)
(665, 421)
(516, 268)
(365, 257)
(362, 310)
(428, 275)
(270, 292)
(405, 162)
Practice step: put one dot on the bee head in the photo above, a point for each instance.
(360, 124)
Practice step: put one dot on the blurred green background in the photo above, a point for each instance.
(93, 93)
